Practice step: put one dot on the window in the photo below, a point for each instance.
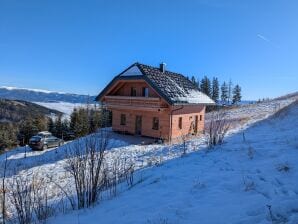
(123, 119)
(133, 91)
(180, 123)
(145, 92)
(155, 123)
(201, 117)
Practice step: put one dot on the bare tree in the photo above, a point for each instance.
(119, 171)
(184, 138)
(3, 191)
(85, 162)
(41, 207)
(217, 128)
(28, 196)
(21, 197)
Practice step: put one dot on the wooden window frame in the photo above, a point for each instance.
(201, 117)
(123, 119)
(133, 91)
(180, 123)
(155, 123)
(144, 92)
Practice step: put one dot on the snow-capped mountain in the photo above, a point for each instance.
(38, 95)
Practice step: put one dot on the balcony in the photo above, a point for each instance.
(134, 102)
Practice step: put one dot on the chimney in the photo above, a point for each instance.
(162, 67)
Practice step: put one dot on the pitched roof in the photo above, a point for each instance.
(173, 87)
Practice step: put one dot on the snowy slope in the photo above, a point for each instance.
(235, 183)
(221, 172)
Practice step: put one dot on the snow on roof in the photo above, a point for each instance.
(194, 97)
(173, 87)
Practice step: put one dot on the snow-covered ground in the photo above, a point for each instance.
(236, 182)
(231, 184)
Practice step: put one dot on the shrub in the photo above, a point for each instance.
(85, 163)
(217, 128)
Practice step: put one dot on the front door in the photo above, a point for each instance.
(196, 124)
(138, 130)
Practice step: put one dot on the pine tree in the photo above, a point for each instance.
(39, 123)
(26, 131)
(7, 138)
(198, 84)
(230, 89)
(193, 80)
(51, 125)
(58, 127)
(206, 86)
(224, 93)
(84, 121)
(236, 94)
(79, 122)
(65, 128)
(215, 90)
(74, 120)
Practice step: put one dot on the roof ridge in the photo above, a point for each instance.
(157, 68)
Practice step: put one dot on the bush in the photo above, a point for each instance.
(217, 129)
(85, 163)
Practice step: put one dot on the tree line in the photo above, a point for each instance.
(83, 121)
(225, 94)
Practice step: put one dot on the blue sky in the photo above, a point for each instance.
(78, 46)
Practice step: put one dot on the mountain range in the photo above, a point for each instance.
(18, 110)
(37, 95)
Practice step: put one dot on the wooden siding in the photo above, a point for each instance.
(166, 130)
(188, 114)
(144, 102)
(125, 88)
(147, 121)
(119, 101)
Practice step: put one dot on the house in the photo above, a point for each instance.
(154, 102)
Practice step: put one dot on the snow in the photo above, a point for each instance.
(191, 96)
(194, 97)
(34, 90)
(232, 183)
(64, 107)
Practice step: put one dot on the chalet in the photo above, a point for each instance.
(154, 102)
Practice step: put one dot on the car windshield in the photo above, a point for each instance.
(35, 138)
(43, 135)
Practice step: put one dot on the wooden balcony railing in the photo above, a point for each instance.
(134, 101)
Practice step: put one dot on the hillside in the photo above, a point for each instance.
(14, 111)
(243, 181)
(36, 95)
(230, 184)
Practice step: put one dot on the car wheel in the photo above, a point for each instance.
(45, 147)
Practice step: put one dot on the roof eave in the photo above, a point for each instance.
(194, 104)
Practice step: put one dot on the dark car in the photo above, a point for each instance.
(68, 136)
(44, 140)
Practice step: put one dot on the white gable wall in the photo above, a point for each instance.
(133, 71)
